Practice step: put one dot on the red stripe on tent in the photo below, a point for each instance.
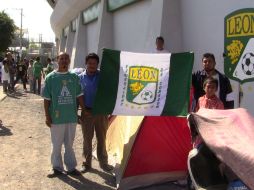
(162, 145)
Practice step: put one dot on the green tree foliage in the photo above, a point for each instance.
(7, 29)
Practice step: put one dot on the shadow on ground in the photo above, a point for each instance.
(109, 179)
(16, 95)
(80, 183)
(165, 186)
(5, 131)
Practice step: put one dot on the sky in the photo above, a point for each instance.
(36, 17)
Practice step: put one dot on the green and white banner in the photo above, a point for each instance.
(144, 84)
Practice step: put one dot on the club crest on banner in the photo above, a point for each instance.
(239, 45)
(142, 85)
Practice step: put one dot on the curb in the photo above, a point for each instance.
(2, 95)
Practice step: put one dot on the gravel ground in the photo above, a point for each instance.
(25, 151)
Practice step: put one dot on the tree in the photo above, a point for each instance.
(7, 29)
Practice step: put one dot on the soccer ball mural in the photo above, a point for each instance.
(248, 63)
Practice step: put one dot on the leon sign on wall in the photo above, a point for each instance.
(239, 45)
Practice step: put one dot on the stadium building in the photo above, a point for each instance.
(83, 26)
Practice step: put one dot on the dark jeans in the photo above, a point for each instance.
(38, 79)
(6, 86)
(23, 79)
(12, 81)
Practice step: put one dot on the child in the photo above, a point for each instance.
(61, 92)
(210, 100)
(30, 75)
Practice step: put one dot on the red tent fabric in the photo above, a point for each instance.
(162, 145)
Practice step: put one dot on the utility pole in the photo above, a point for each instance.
(40, 42)
(20, 39)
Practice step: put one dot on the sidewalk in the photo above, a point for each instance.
(2, 95)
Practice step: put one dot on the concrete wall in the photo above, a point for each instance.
(91, 37)
(130, 26)
(203, 26)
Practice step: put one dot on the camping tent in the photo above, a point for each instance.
(148, 150)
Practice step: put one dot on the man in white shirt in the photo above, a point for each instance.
(5, 76)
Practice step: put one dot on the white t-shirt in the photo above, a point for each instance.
(5, 76)
(160, 51)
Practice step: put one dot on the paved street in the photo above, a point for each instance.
(25, 150)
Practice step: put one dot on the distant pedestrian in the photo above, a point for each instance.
(1, 65)
(26, 61)
(30, 75)
(55, 64)
(21, 73)
(61, 93)
(50, 66)
(12, 69)
(5, 77)
(38, 73)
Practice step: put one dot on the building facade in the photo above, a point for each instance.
(133, 25)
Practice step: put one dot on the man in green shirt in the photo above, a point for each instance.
(37, 72)
(62, 94)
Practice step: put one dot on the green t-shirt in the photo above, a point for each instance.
(50, 68)
(62, 89)
(37, 69)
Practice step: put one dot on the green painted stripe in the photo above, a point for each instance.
(177, 100)
(114, 5)
(91, 13)
(108, 83)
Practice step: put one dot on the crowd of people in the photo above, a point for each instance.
(27, 71)
(64, 91)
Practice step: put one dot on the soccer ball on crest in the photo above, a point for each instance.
(147, 96)
(248, 63)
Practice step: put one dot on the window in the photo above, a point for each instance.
(66, 31)
(116, 4)
(74, 25)
(91, 13)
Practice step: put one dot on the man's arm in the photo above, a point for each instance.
(229, 104)
(47, 115)
(82, 105)
(81, 102)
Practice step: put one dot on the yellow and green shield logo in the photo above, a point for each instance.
(142, 85)
(239, 45)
